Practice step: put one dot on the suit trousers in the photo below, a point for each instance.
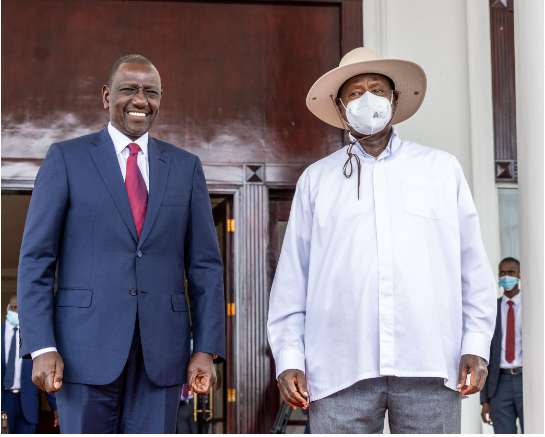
(132, 404)
(11, 404)
(415, 406)
(506, 405)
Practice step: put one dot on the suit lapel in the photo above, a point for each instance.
(108, 166)
(159, 164)
(497, 339)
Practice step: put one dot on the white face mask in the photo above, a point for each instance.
(369, 114)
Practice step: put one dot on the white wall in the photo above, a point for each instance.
(530, 143)
(450, 39)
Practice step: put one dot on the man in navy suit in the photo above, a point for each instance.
(120, 216)
(20, 397)
(501, 396)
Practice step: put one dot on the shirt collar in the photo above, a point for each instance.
(121, 141)
(10, 326)
(393, 145)
(515, 299)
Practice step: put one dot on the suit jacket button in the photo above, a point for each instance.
(139, 254)
(133, 292)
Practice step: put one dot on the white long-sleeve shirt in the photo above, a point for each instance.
(121, 141)
(395, 283)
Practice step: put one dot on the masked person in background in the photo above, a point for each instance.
(501, 396)
(20, 397)
(383, 298)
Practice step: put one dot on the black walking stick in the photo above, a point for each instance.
(281, 422)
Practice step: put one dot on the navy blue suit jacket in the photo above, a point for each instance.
(30, 395)
(80, 224)
(491, 384)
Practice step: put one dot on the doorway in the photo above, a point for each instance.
(279, 213)
(216, 412)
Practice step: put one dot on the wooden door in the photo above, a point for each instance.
(279, 214)
(222, 406)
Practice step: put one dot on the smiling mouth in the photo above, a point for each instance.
(137, 114)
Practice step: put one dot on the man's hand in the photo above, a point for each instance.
(288, 381)
(47, 370)
(476, 366)
(201, 373)
(56, 422)
(486, 413)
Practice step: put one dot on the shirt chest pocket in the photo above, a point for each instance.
(423, 197)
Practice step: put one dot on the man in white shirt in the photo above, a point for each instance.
(501, 396)
(383, 298)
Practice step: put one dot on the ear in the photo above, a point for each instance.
(395, 99)
(106, 96)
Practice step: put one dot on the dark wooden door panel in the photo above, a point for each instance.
(235, 76)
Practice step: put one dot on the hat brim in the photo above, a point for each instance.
(409, 79)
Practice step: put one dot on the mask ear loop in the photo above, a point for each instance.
(349, 150)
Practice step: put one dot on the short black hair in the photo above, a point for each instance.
(510, 259)
(127, 59)
(392, 84)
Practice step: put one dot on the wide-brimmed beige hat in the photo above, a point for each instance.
(408, 77)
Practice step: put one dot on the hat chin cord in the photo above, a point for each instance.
(352, 143)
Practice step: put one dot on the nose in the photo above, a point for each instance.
(139, 100)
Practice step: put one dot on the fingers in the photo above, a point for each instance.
(462, 375)
(290, 394)
(202, 384)
(478, 378)
(59, 372)
(467, 390)
(49, 382)
(302, 384)
(190, 381)
(37, 380)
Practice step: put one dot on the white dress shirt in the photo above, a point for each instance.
(395, 283)
(517, 362)
(121, 141)
(18, 361)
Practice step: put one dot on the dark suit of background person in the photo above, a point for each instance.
(21, 401)
(502, 393)
(119, 318)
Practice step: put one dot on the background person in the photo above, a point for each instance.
(185, 423)
(20, 397)
(501, 396)
(120, 217)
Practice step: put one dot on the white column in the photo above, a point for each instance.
(530, 143)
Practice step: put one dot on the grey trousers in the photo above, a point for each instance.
(415, 406)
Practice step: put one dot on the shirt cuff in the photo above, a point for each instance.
(475, 343)
(289, 359)
(42, 351)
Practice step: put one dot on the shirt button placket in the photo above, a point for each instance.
(385, 269)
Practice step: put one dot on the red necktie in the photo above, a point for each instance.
(510, 334)
(136, 188)
(185, 392)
